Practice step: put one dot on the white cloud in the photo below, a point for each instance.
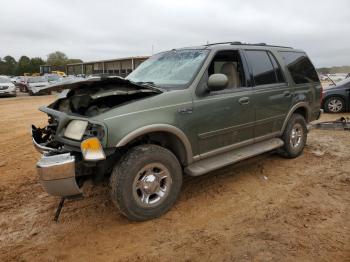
(90, 29)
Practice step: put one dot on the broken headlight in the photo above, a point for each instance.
(94, 130)
(75, 129)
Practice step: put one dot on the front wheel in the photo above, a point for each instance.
(146, 182)
(294, 137)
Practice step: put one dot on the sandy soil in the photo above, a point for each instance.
(265, 209)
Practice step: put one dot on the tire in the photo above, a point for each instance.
(144, 170)
(294, 137)
(334, 105)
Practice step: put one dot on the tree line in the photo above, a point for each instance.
(9, 66)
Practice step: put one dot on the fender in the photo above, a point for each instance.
(160, 128)
(292, 110)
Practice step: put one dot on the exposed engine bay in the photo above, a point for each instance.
(90, 97)
(85, 97)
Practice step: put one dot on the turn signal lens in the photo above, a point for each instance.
(92, 149)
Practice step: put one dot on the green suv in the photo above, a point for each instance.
(187, 111)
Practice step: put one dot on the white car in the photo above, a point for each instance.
(7, 88)
(36, 84)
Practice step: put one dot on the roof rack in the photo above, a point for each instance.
(240, 43)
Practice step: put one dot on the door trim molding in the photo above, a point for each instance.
(235, 146)
(225, 130)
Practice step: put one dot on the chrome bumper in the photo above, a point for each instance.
(57, 175)
(42, 149)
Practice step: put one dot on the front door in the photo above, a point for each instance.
(225, 119)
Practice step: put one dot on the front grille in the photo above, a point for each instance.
(3, 87)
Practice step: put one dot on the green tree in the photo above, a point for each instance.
(57, 59)
(10, 65)
(2, 67)
(35, 64)
(23, 65)
(74, 61)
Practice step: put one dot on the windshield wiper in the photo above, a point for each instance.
(148, 84)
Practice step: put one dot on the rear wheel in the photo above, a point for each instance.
(146, 182)
(334, 105)
(294, 136)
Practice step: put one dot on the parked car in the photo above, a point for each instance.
(53, 78)
(336, 99)
(22, 84)
(7, 88)
(15, 79)
(186, 111)
(36, 84)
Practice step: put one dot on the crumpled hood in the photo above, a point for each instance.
(79, 83)
(92, 96)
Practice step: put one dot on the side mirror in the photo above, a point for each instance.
(217, 82)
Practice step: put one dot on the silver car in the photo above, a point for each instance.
(7, 88)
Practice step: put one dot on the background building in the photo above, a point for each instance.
(119, 67)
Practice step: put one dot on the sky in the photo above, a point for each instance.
(106, 29)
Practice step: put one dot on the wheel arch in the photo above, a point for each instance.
(335, 95)
(301, 108)
(167, 135)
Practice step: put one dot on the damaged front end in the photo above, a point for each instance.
(73, 144)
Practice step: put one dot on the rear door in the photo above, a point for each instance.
(306, 84)
(272, 96)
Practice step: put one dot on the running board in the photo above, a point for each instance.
(206, 165)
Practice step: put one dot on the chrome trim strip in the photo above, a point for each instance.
(235, 146)
(42, 149)
(266, 120)
(147, 110)
(238, 127)
(225, 130)
(160, 128)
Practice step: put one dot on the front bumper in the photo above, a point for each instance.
(57, 175)
(7, 92)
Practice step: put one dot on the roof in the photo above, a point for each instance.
(228, 45)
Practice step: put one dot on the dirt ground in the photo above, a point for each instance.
(265, 209)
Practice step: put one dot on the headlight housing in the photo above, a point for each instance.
(75, 129)
(94, 130)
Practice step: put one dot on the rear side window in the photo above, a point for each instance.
(278, 71)
(300, 67)
(265, 68)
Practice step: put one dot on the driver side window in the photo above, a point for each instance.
(228, 63)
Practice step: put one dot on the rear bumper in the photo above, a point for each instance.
(57, 175)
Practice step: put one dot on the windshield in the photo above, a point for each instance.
(4, 80)
(172, 69)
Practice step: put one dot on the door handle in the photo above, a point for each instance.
(244, 100)
(185, 110)
(286, 94)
